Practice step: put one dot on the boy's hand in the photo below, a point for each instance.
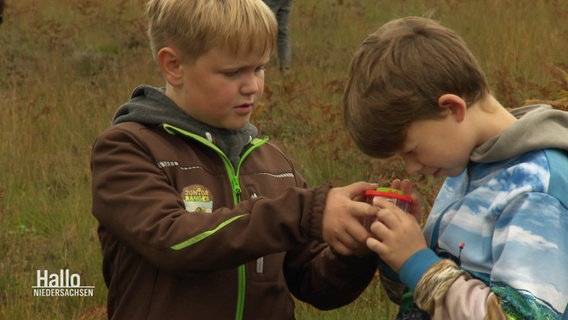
(397, 235)
(344, 210)
(406, 187)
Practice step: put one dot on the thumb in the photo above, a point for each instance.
(357, 189)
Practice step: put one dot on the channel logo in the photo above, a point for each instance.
(62, 284)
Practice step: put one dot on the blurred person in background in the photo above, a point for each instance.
(1, 11)
(282, 10)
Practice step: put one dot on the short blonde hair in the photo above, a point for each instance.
(396, 77)
(196, 26)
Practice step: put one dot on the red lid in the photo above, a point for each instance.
(388, 193)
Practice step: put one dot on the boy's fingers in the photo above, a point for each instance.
(340, 248)
(363, 210)
(389, 218)
(347, 246)
(396, 184)
(406, 186)
(384, 203)
(358, 188)
(375, 245)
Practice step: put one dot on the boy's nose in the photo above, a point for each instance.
(412, 167)
(251, 84)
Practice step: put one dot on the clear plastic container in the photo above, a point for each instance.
(393, 195)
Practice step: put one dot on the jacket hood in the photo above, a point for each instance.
(538, 127)
(150, 106)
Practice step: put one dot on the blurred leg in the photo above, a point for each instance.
(283, 42)
(282, 10)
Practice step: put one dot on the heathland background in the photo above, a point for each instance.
(66, 65)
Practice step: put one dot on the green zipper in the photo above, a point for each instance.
(236, 187)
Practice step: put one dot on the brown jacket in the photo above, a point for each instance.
(222, 260)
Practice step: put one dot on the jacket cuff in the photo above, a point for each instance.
(318, 205)
(387, 271)
(415, 267)
(435, 283)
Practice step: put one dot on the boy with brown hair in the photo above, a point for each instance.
(199, 218)
(495, 243)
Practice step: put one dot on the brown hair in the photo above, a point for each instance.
(196, 26)
(397, 76)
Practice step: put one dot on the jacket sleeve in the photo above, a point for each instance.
(317, 275)
(391, 283)
(139, 205)
(448, 292)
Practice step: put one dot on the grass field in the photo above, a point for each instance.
(66, 65)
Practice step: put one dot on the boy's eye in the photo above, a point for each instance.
(231, 73)
(409, 151)
(235, 73)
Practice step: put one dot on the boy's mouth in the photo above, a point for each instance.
(244, 108)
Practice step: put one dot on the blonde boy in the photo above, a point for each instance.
(199, 218)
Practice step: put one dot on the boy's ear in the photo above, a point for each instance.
(170, 64)
(453, 105)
